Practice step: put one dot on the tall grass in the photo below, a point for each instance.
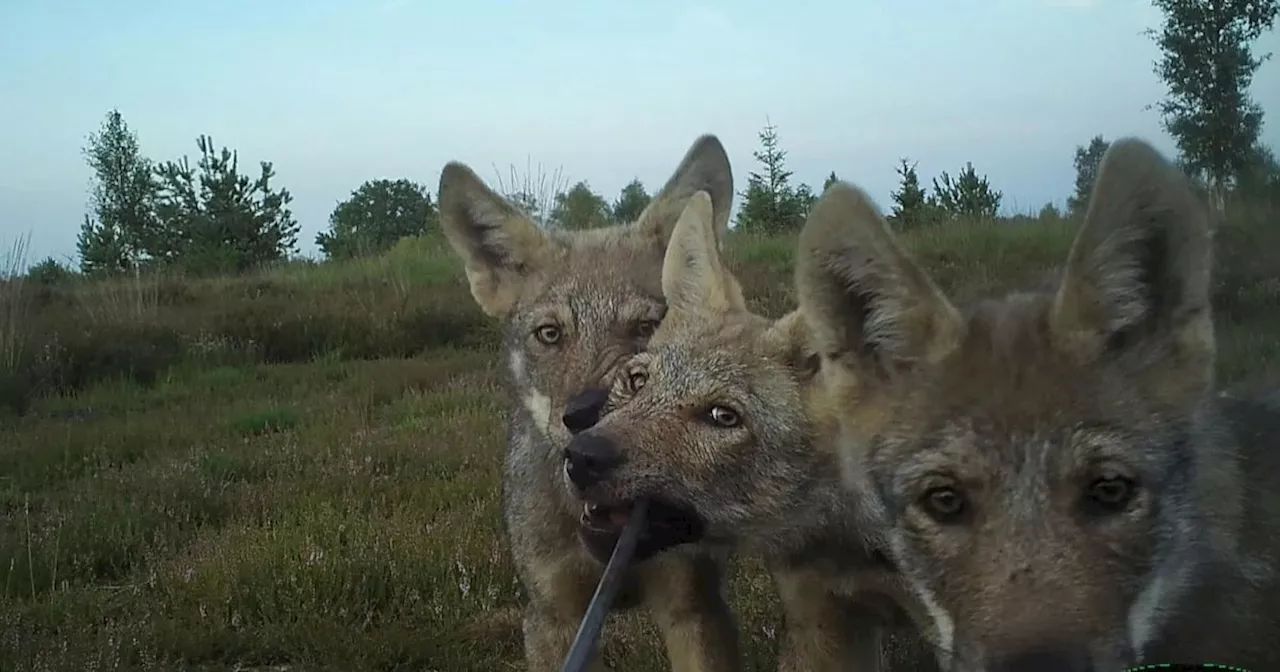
(300, 468)
(534, 190)
(132, 298)
(14, 304)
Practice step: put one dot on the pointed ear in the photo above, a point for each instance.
(1138, 272)
(862, 295)
(500, 247)
(694, 278)
(705, 167)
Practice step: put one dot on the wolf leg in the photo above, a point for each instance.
(822, 632)
(685, 594)
(557, 603)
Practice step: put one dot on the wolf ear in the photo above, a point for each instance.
(705, 167)
(500, 247)
(694, 278)
(862, 294)
(789, 340)
(1138, 271)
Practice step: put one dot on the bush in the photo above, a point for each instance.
(414, 298)
(49, 272)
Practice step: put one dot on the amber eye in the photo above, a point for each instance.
(547, 334)
(646, 328)
(724, 416)
(637, 380)
(944, 504)
(1111, 494)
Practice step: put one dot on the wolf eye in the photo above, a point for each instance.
(547, 334)
(1111, 494)
(637, 380)
(724, 417)
(944, 504)
(646, 328)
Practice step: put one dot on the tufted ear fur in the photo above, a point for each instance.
(864, 299)
(501, 248)
(1138, 272)
(694, 278)
(705, 167)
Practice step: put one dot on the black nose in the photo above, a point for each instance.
(1044, 660)
(582, 412)
(588, 459)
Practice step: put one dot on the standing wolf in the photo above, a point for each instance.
(575, 305)
(710, 422)
(1056, 481)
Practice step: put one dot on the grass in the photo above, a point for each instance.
(299, 469)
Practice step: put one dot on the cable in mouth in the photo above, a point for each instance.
(604, 518)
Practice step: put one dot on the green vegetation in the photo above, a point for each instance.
(216, 458)
(299, 466)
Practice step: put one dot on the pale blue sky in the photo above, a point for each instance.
(335, 93)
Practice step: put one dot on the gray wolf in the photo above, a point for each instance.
(711, 421)
(1058, 484)
(574, 306)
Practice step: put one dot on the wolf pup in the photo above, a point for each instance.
(574, 306)
(1057, 482)
(710, 422)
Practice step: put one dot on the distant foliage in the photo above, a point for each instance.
(49, 272)
(831, 179)
(912, 207)
(377, 215)
(1259, 182)
(969, 195)
(120, 229)
(579, 208)
(1207, 64)
(771, 204)
(1087, 159)
(204, 218)
(632, 201)
(215, 220)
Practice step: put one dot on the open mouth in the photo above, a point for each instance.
(666, 525)
(602, 518)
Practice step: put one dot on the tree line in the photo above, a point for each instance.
(210, 217)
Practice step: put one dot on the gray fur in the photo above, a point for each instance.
(600, 291)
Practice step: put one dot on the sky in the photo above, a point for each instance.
(337, 93)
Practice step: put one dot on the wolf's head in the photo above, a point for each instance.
(708, 424)
(1037, 461)
(575, 304)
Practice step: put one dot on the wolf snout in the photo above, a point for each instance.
(589, 459)
(583, 409)
(1043, 660)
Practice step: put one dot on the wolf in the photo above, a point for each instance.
(574, 306)
(710, 422)
(1058, 484)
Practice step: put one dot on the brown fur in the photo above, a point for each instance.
(1052, 473)
(712, 419)
(574, 306)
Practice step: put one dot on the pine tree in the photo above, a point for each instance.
(968, 196)
(911, 206)
(1088, 159)
(770, 204)
(215, 219)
